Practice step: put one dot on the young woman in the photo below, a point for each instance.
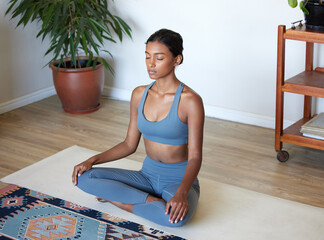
(170, 116)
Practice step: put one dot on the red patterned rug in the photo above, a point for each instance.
(27, 214)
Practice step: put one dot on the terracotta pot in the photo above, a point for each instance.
(79, 89)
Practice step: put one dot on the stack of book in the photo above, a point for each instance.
(314, 128)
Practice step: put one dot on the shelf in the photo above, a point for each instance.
(302, 34)
(310, 83)
(293, 135)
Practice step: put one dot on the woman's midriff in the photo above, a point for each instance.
(166, 153)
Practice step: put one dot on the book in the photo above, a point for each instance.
(313, 136)
(314, 127)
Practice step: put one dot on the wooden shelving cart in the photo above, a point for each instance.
(309, 83)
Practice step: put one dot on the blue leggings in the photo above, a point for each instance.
(132, 187)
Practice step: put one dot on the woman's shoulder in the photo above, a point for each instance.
(189, 96)
(139, 90)
(192, 103)
(138, 93)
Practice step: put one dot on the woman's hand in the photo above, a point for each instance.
(79, 169)
(179, 208)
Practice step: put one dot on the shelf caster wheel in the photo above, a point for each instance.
(282, 156)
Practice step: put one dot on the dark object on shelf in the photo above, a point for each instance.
(299, 24)
(315, 18)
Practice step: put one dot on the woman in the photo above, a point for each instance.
(171, 118)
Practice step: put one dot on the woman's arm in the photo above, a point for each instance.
(196, 118)
(121, 150)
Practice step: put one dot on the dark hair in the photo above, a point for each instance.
(169, 38)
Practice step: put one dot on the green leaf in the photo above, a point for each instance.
(22, 7)
(116, 26)
(29, 14)
(46, 31)
(77, 40)
(72, 51)
(126, 28)
(49, 14)
(50, 49)
(118, 30)
(89, 60)
(108, 53)
(36, 13)
(65, 8)
(109, 39)
(293, 3)
(93, 44)
(84, 43)
(94, 64)
(107, 66)
(91, 10)
(102, 27)
(13, 2)
(302, 7)
(56, 18)
(96, 32)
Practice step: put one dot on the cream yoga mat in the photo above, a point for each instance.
(224, 211)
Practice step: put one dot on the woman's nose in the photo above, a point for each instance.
(152, 63)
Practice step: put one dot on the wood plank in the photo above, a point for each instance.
(310, 83)
(303, 34)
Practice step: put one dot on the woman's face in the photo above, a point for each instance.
(159, 60)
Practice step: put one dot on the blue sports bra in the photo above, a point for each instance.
(170, 130)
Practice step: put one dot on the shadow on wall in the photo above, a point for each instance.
(109, 77)
(6, 62)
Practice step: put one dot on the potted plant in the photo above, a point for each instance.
(77, 30)
(313, 11)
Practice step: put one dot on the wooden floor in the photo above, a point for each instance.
(234, 153)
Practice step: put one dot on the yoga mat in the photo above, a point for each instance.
(224, 211)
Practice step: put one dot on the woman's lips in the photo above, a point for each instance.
(151, 71)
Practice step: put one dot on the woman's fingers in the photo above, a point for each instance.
(75, 175)
(167, 208)
(184, 212)
(78, 170)
(178, 211)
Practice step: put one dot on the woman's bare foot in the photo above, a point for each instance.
(151, 198)
(124, 206)
(129, 207)
(101, 200)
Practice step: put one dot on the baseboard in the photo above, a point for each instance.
(117, 93)
(243, 117)
(27, 99)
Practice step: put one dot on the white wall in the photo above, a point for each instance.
(22, 77)
(229, 57)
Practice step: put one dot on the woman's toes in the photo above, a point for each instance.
(101, 200)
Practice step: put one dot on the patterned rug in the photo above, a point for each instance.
(27, 214)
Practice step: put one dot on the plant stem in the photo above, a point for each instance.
(78, 61)
(70, 30)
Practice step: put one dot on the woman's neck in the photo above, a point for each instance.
(166, 85)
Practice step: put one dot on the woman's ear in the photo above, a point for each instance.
(177, 60)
